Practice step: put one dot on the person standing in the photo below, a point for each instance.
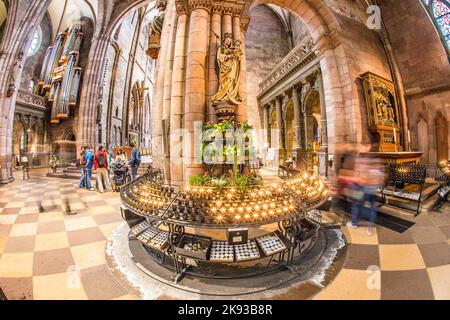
(89, 163)
(135, 160)
(101, 166)
(82, 163)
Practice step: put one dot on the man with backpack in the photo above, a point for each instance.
(135, 160)
(101, 166)
(87, 164)
(82, 164)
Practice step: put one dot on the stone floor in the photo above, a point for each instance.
(57, 256)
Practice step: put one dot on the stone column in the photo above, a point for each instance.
(213, 82)
(157, 112)
(279, 112)
(297, 128)
(195, 105)
(238, 34)
(227, 22)
(323, 152)
(177, 98)
(91, 93)
(266, 125)
(297, 118)
(167, 95)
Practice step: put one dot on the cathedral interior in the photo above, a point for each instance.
(323, 91)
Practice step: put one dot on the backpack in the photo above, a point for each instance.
(101, 160)
(137, 158)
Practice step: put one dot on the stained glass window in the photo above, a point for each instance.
(439, 11)
(35, 43)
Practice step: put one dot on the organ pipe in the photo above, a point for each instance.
(54, 114)
(60, 75)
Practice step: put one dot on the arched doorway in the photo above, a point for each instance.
(441, 138)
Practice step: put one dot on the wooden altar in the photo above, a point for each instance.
(382, 113)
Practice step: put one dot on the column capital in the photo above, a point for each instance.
(327, 41)
(182, 7)
(200, 4)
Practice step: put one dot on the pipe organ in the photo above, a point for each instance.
(60, 75)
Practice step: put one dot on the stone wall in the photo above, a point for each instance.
(424, 67)
(266, 44)
(367, 55)
(299, 30)
(32, 67)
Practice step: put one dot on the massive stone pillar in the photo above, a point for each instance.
(91, 93)
(195, 104)
(323, 152)
(167, 95)
(23, 15)
(177, 97)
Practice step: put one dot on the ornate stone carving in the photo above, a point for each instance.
(13, 74)
(297, 58)
(182, 7)
(326, 42)
(29, 99)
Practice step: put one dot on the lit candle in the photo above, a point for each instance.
(409, 139)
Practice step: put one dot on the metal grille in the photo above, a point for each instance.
(407, 173)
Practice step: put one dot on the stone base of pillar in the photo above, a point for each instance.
(190, 170)
(6, 174)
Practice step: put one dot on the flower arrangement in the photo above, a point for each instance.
(54, 162)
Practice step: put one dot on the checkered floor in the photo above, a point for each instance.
(57, 256)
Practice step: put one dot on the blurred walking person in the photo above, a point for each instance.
(370, 178)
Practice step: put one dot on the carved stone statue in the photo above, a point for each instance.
(155, 32)
(229, 55)
(12, 78)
